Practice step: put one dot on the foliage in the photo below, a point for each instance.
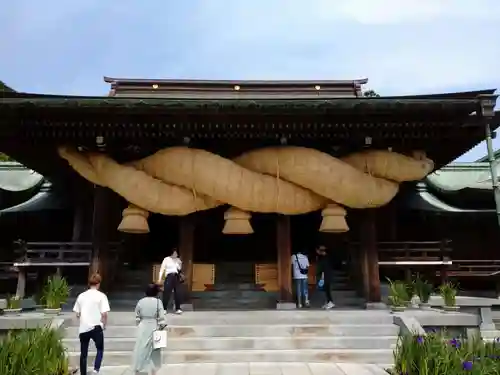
(423, 290)
(449, 293)
(398, 293)
(13, 302)
(370, 94)
(436, 355)
(55, 292)
(36, 351)
(5, 157)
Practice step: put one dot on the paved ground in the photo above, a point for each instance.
(258, 369)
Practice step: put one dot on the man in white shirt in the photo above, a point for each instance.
(92, 307)
(169, 277)
(300, 269)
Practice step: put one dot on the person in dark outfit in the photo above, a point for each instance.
(325, 271)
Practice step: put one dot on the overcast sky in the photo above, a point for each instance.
(402, 46)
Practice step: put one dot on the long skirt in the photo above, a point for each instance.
(146, 359)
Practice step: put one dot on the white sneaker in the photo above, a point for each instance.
(307, 304)
(329, 305)
(178, 312)
(299, 306)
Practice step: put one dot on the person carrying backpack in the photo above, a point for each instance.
(300, 269)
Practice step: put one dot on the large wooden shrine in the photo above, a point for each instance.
(249, 171)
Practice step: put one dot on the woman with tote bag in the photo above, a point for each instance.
(151, 336)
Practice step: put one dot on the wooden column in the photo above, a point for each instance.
(187, 227)
(100, 229)
(284, 247)
(369, 251)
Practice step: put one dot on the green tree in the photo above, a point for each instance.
(5, 88)
(371, 94)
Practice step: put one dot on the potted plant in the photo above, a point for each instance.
(55, 293)
(424, 291)
(13, 306)
(398, 295)
(411, 291)
(449, 293)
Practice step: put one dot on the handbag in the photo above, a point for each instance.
(303, 271)
(181, 277)
(159, 335)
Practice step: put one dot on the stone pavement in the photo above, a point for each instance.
(258, 368)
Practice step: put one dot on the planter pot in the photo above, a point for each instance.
(398, 308)
(451, 309)
(12, 312)
(424, 306)
(52, 312)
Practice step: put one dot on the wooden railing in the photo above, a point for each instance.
(473, 268)
(54, 254)
(57, 254)
(415, 253)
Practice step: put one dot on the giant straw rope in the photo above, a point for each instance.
(287, 180)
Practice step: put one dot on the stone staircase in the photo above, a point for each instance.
(344, 296)
(345, 336)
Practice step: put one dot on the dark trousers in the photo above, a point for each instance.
(327, 287)
(97, 336)
(171, 285)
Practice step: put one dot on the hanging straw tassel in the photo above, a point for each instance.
(135, 220)
(237, 222)
(333, 219)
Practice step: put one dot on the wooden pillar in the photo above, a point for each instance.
(187, 227)
(369, 251)
(284, 247)
(100, 228)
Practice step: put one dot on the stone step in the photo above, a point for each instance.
(270, 317)
(117, 358)
(283, 368)
(235, 286)
(257, 330)
(251, 343)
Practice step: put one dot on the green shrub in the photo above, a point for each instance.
(55, 292)
(433, 354)
(33, 352)
(423, 290)
(398, 293)
(449, 293)
(13, 302)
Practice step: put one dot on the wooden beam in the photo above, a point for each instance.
(371, 275)
(284, 247)
(186, 250)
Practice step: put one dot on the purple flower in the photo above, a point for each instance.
(455, 343)
(467, 365)
(420, 340)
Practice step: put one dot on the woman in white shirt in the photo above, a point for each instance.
(169, 276)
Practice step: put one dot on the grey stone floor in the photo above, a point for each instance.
(258, 369)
